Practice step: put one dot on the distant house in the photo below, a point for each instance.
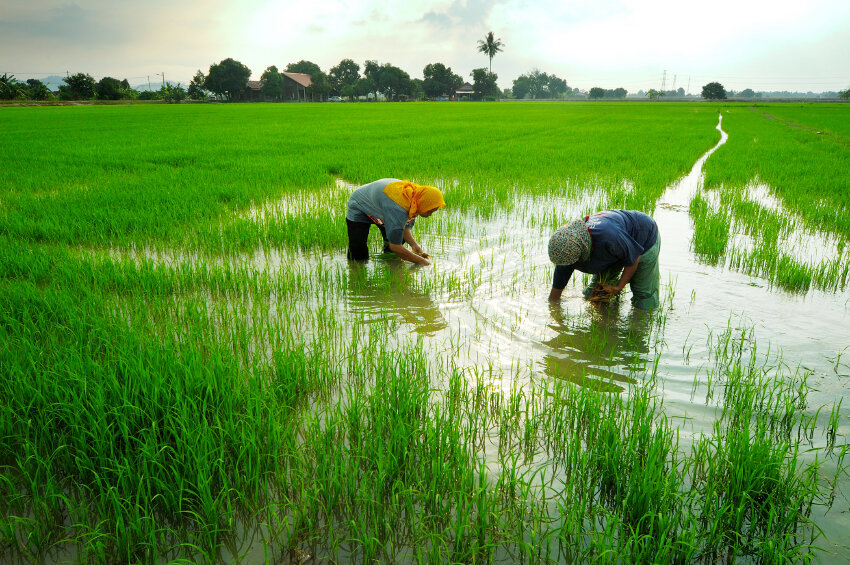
(295, 87)
(465, 92)
(254, 91)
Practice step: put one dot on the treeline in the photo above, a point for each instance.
(230, 80)
(82, 86)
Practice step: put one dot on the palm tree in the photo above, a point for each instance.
(490, 46)
(10, 88)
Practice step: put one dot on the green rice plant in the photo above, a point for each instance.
(755, 489)
(188, 187)
(820, 119)
(807, 170)
(711, 231)
(124, 434)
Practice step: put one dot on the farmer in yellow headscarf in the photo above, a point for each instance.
(393, 205)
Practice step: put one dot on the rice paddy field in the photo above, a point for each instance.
(192, 372)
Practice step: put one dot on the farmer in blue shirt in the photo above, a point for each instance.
(605, 244)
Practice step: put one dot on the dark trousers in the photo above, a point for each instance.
(358, 234)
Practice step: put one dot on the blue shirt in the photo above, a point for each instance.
(369, 204)
(617, 239)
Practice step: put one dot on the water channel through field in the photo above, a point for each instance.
(483, 305)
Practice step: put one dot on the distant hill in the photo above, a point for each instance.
(53, 82)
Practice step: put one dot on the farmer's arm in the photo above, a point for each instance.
(398, 231)
(627, 275)
(407, 254)
(559, 281)
(414, 245)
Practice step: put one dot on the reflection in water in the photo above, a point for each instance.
(385, 289)
(600, 350)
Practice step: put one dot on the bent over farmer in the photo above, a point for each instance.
(605, 244)
(393, 205)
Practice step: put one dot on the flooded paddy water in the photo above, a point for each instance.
(494, 312)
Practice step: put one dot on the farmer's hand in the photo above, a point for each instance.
(611, 290)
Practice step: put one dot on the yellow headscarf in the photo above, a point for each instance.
(415, 198)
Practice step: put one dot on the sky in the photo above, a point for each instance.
(799, 45)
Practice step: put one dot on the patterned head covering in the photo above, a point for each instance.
(570, 244)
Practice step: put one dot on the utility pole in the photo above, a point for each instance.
(689, 86)
(149, 82)
(664, 81)
(163, 78)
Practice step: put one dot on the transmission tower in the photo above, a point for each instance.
(664, 81)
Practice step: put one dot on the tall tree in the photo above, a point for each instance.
(596, 93)
(439, 80)
(10, 88)
(365, 86)
(490, 46)
(172, 93)
(79, 86)
(344, 74)
(714, 91)
(484, 83)
(557, 87)
(393, 82)
(302, 66)
(109, 88)
(372, 72)
(272, 83)
(387, 79)
(37, 89)
(533, 85)
(417, 89)
(320, 86)
(196, 87)
(228, 78)
(845, 95)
